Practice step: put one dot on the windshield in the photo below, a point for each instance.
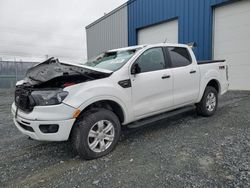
(111, 60)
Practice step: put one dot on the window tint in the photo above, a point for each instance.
(180, 57)
(151, 60)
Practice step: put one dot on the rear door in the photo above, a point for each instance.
(185, 76)
(152, 87)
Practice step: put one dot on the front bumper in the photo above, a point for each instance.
(29, 124)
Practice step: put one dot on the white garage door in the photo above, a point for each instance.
(232, 41)
(159, 33)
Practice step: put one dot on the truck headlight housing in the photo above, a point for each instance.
(48, 97)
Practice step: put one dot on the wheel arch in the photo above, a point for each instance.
(214, 82)
(110, 103)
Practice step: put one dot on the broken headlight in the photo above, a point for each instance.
(48, 97)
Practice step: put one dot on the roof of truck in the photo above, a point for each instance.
(147, 45)
(128, 48)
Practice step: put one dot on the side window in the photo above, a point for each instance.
(180, 57)
(151, 60)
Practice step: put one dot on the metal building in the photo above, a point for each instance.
(108, 32)
(219, 27)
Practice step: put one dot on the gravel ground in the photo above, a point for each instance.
(182, 151)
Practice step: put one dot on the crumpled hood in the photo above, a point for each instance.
(52, 70)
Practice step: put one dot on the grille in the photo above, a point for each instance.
(22, 99)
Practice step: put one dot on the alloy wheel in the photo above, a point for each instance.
(101, 136)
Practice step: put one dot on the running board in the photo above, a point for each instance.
(160, 117)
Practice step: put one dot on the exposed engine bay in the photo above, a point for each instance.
(44, 83)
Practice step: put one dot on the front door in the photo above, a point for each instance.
(152, 87)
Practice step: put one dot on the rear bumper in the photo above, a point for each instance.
(32, 128)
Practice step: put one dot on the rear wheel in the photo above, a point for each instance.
(209, 102)
(95, 133)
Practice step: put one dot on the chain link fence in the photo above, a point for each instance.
(12, 71)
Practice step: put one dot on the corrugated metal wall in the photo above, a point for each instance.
(108, 32)
(195, 20)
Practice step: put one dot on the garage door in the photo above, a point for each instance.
(232, 41)
(159, 33)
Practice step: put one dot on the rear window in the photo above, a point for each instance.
(180, 57)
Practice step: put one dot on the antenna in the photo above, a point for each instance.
(166, 39)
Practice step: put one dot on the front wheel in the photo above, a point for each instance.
(209, 102)
(95, 133)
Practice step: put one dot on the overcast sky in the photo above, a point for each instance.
(32, 29)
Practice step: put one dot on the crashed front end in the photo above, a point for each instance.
(38, 109)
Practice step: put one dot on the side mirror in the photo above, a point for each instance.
(135, 69)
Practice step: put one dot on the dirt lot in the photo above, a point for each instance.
(183, 151)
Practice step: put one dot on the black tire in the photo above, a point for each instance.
(80, 132)
(202, 108)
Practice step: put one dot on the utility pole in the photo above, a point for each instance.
(15, 67)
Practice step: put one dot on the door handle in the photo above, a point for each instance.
(192, 71)
(165, 76)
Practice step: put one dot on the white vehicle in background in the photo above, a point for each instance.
(88, 103)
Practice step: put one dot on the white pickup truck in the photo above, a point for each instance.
(88, 103)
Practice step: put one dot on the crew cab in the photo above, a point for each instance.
(88, 103)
